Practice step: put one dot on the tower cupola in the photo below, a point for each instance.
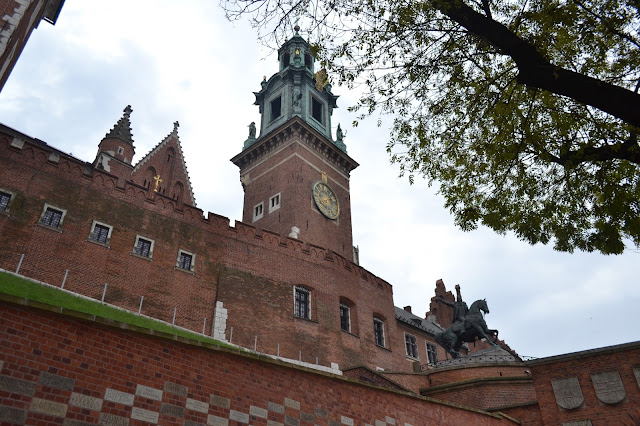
(296, 90)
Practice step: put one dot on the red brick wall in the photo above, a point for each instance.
(621, 358)
(54, 367)
(251, 271)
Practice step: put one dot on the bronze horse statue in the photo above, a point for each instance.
(467, 330)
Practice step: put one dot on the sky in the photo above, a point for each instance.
(183, 61)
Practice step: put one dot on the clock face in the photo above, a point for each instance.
(325, 199)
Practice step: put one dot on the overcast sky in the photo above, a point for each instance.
(183, 61)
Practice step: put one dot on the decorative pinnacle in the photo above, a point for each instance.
(297, 28)
(175, 127)
(122, 129)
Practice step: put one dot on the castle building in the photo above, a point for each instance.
(284, 283)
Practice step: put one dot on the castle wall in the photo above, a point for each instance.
(251, 271)
(83, 371)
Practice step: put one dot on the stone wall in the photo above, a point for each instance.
(54, 367)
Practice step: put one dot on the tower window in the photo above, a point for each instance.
(345, 318)
(411, 345)
(258, 211)
(274, 202)
(316, 110)
(302, 307)
(378, 331)
(276, 108)
(120, 150)
(308, 62)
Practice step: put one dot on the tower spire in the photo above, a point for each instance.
(122, 129)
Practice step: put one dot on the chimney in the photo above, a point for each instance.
(407, 308)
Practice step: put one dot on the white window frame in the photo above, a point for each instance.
(345, 306)
(306, 290)
(46, 207)
(93, 227)
(381, 322)
(274, 202)
(135, 245)
(433, 351)
(193, 261)
(414, 343)
(258, 211)
(12, 196)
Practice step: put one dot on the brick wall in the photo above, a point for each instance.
(54, 367)
(583, 368)
(251, 271)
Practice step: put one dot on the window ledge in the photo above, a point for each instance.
(350, 333)
(184, 270)
(410, 358)
(382, 347)
(89, 240)
(306, 319)
(51, 228)
(134, 254)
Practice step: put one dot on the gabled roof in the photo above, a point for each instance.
(180, 155)
(122, 129)
(417, 322)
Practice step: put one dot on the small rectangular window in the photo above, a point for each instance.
(432, 353)
(302, 302)
(100, 233)
(52, 216)
(378, 331)
(276, 108)
(345, 318)
(185, 261)
(411, 345)
(258, 211)
(274, 203)
(143, 247)
(5, 198)
(316, 110)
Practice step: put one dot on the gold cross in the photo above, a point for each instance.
(158, 180)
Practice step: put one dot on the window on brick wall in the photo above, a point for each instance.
(5, 200)
(276, 108)
(274, 202)
(378, 331)
(258, 211)
(345, 317)
(100, 233)
(186, 261)
(52, 217)
(411, 345)
(432, 353)
(302, 302)
(143, 247)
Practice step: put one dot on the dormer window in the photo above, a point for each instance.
(276, 108)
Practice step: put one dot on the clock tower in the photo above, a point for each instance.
(295, 176)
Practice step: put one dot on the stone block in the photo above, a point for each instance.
(258, 412)
(13, 385)
(55, 381)
(216, 421)
(346, 420)
(292, 403)
(321, 413)
(172, 410)
(199, 406)
(149, 392)
(219, 401)
(291, 421)
(118, 396)
(85, 401)
(175, 388)
(112, 420)
(390, 420)
(306, 417)
(276, 408)
(12, 415)
(144, 415)
(238, 416)
(274, 423)
(52, 408)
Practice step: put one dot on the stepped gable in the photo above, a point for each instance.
(164, 170)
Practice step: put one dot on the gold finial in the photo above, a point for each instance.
(324, 177)
(158, 180)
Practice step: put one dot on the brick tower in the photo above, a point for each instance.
(295, 176)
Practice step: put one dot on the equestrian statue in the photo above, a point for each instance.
(468, 324)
